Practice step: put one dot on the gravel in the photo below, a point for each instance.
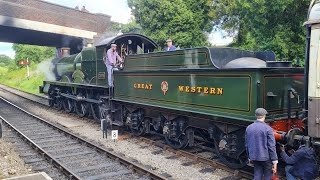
(10, 162)
(131, 148)
(26, 153)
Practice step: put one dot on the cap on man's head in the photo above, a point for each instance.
(261, 112)
(169, 40)
(113, 45)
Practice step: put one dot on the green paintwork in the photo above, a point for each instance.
(244, 90)
(84, 67)
(238, 101)
(187, 58)
(101, 67)
(66, 65)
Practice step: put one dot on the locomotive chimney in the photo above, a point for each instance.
(65, 51)
(89, 43)
(313, 70)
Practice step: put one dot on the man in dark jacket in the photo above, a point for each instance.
(170, 46)
(261, 147)
(301, 164)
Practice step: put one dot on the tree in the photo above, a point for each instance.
(264, 24)
(187, 22)
(5, 60)
(35, 54)
(131, 27)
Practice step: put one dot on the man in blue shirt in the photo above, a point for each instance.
(301, 164)
(261, 147)
(170, 46)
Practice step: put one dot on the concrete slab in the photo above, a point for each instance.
(35, 176)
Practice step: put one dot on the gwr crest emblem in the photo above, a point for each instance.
(164, 87)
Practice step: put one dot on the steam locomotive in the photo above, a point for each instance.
(196, 96)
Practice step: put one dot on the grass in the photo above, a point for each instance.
(18, 79)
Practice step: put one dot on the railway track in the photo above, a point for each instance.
(192, 154)
(30, 156)
(43, 100)
(74, 156)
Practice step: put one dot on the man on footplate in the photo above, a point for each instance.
(111, 61)
(261, 147)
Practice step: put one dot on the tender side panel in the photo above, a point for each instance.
(187, 58)
(275, 92)
(228, 95)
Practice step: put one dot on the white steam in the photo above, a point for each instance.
(45, 68)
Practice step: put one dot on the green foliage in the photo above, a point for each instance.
(131, 27)
(35, 54)
(264, 24)
(4, 60)
(186, 22)
(3, 71)
(17, 78)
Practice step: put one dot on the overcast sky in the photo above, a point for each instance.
(119, 11)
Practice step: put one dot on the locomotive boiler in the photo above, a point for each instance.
(202, 97)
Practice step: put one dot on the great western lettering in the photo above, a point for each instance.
(142, 86)
(204, 90)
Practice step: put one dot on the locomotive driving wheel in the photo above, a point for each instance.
(68, 105)
(59, 104)
(81, 108)
(51, 98)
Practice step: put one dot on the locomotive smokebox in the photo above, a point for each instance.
(313, 71)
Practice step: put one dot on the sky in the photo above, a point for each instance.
(119, 12)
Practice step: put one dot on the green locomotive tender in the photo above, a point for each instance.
(193, 97)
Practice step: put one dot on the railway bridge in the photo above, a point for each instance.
(42, 23)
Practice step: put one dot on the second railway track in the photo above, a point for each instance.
(76, 157)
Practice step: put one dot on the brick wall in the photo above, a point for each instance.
(37, 10)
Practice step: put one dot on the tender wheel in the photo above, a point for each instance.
(140, 130)
(177, 143)
(157, 125)
(232, 162)
(68, 105)
(137, 123)
(175, 133)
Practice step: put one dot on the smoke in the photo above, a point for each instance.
(45, 68)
